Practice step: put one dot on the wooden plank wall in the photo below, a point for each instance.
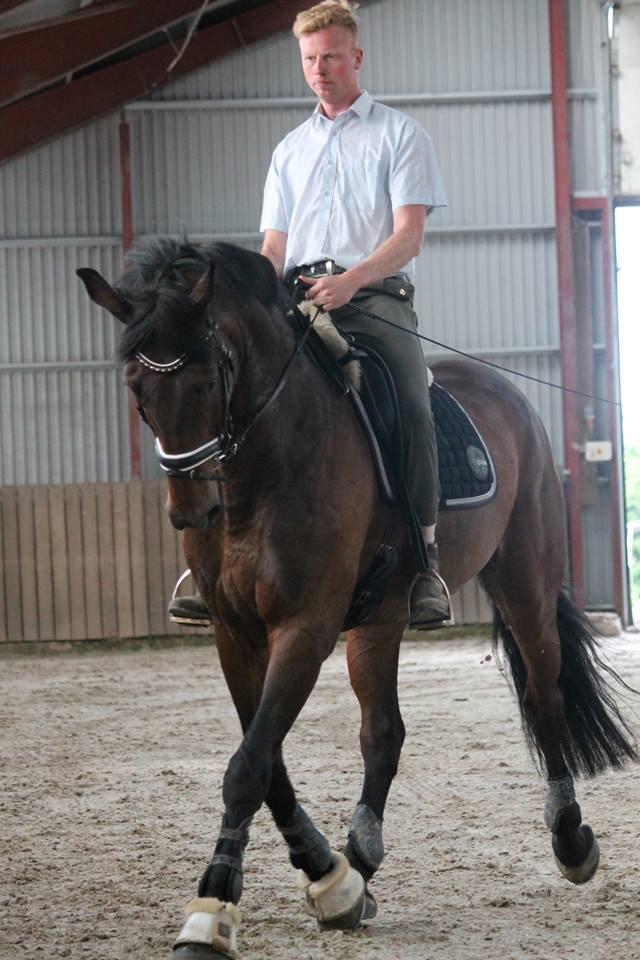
(86, 562)
(99, 561)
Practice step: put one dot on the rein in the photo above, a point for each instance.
(224, 445)
(487, 363)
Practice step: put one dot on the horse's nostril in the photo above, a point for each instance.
(176, 518)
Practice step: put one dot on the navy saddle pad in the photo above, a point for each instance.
(466, 473)
(467, 476)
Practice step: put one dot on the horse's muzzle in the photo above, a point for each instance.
(198, 522)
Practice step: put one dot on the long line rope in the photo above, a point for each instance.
(488, 363)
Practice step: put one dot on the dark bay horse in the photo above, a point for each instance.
(269, 474)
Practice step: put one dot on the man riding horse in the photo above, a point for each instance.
(345, 205)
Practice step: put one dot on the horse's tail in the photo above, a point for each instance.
(597, 736)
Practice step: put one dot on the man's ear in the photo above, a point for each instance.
(104, 294)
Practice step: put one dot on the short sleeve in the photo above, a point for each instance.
(414, 175)
(274, 216)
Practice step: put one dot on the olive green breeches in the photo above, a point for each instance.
(403, 354)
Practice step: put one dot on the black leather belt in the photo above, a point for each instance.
(321, 268)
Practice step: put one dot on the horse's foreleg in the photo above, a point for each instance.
(256, 773)
(372, 656)
(213, 917)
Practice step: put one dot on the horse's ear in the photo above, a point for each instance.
(202, 290)
(104, 294)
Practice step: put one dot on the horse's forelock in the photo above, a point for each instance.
(168, 317)
(159, 276)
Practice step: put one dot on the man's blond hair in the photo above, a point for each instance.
(329, 13)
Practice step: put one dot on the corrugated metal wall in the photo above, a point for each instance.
(476, 73)
(64, 413)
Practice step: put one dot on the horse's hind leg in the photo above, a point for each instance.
(372, 657)
(533, 648)
(565, 709)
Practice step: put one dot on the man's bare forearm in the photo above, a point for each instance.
(274, 248)
(390, 257)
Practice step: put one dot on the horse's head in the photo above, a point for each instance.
(179, 365)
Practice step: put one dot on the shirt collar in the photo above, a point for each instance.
(362, 107)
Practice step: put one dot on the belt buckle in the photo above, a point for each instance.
(329, 267)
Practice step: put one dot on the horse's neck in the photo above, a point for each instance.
(264, 344)
(292, 431)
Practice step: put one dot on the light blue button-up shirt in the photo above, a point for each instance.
(333, 185)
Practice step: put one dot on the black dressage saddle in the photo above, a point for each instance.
(465, 470)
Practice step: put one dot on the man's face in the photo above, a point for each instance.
(331, 60)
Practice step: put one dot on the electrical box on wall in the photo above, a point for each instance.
(598, 451)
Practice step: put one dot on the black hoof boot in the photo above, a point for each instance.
(197, 951)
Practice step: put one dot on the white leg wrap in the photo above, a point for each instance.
(212, 922)
(335, 894)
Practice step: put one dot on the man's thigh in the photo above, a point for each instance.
(395, 339)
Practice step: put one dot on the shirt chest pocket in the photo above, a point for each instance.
(361, 183)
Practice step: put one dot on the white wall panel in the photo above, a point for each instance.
(63, 405)
(490, 291)
(202, 171)
(410, 45)
(587, 155)
(583, 42)
(69, 187)
(66, 426)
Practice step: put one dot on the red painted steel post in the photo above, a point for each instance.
(127, 242)
(566, 290)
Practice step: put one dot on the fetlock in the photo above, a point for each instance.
(309, 849)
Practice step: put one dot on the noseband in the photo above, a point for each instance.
(224, 445)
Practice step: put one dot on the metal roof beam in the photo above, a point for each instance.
(6, 5)
(28, 123)
(40, 54)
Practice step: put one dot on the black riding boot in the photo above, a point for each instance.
(429, 600)
(190, 611)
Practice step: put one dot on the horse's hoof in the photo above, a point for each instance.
(209, 932)
(197, 951)
(577, 872)
(336, 900)
(370, 905)
(349, 920)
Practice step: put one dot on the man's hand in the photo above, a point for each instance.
(331, 292)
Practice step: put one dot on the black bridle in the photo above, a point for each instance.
(225, 444)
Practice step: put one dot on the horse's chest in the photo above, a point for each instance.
(261, 580)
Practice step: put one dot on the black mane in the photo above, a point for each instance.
(159, 276)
